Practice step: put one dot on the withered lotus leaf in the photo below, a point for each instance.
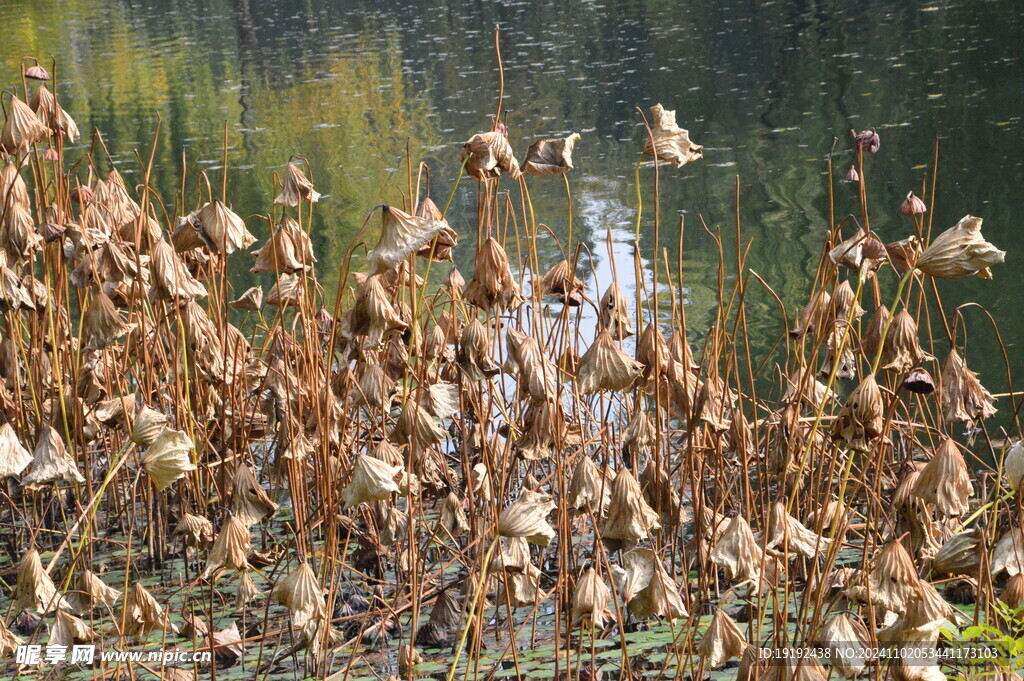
(1008, 553)
(34, 589)
(963, 397)
(786, 533)
(417, 426)
(959, 252)
(301, 593)
(635, 575)
(493, 284)
(944, 482)
(901, 349)
(452, 518)
(18, 236)
(605, 367)
(660, 598)
(550, 156)
(891, 580)
(168, 458)
(847, 640)
(488, 154)
(295, 187)
(862, 250)
(69, 630)
(671, 142)
(722, 641)
(474, 352)
(563, 284)
(51, 461)
(286, 291)
(194, 530)
(288, 250)
(250, 503)
(960, 555)
(613, 313)
(861, 419)
(250, 301)
(230, 549)
(590, 488)
(46, 108)
(102, 324)
(144, 614)
(630, 517)
(1013, 462)
(170, 277)
(590, 600)
(736, 551)
(439, 249)
(221, 229)
(535, 373)
(513, 556)
(401, 235)
(22, 128)
(527, 517)
(372, 480)
(148, 425)
(14, 458)
(815, 314)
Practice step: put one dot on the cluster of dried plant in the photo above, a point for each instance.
(440, 464)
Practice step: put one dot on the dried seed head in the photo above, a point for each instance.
(550, 157)
(851, 175)
(605, 367)
(963, 397)
(861, 418)
(912, 205)
(919, 381)
(868, 141)
(671, 142)
(959, 252)
(488, 154)
(295, 187)
(944, 482)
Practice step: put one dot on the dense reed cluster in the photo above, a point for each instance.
(420, 474)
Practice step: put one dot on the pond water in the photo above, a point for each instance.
(765, 86)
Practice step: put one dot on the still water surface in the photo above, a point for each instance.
(765, 86)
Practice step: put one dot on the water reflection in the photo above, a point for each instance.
(766, 86)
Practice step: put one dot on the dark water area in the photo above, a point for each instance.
(765, 86)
